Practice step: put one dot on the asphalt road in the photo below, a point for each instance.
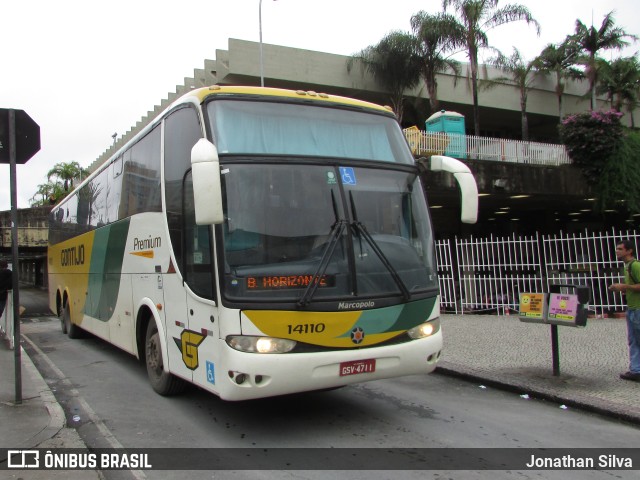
(107, 398)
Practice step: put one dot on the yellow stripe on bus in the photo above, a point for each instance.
(144, 253)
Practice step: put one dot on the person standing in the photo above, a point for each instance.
(6, 283)
(625, 251)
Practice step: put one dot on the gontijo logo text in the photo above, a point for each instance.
(70, 257)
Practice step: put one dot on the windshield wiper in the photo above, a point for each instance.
(334, 235)
(327, 253)
(361, 229)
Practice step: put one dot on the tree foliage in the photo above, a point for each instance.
(591, 138)
(67, 173)
(620, 81)
(618, 184)
(560, 60)
(60, 181)
(436, 36)
(522, 73)
(608, 155)
(394, 63)
(592, 40)
(476, 17)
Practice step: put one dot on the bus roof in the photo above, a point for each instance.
(203, 93)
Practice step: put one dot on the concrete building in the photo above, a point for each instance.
(33, 235)
(548, 197)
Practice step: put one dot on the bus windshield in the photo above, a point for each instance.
(284, 221)
(266, 128)
(302, 230)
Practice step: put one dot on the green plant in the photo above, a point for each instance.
(618, 185)
(608, 155)
(590, 139)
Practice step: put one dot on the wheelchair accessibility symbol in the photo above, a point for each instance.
(211, 372)
(348, 175)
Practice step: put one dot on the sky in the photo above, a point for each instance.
(86, 70)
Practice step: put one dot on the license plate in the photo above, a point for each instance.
(358, 366)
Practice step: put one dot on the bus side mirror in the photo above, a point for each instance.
(207, 192)
(468, 186)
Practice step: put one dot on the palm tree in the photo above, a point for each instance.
(620, 80)
(67, 173)
(47, 194)
(560, 60)
(394, 63)
(478, 16)
(591, 41)
(436, 36)
(522, 74)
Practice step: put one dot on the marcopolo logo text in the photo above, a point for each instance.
(354, 305)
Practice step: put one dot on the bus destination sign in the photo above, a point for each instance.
(285, 282)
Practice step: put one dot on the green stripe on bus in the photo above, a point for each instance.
(106, 269)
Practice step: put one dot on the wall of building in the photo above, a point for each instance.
(286, 67)
(33, 236)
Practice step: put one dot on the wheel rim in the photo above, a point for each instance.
(154, 355)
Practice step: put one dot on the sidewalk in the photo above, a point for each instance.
(39, 421)
(494, 351)
(501, 351)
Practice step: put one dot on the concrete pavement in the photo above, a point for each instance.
(501, 351)
(491, 350)
(39, 420)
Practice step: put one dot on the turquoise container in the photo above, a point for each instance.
(451, 123)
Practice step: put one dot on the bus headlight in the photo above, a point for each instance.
(244, 343)
(425, 329)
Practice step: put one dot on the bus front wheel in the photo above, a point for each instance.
(162, 382)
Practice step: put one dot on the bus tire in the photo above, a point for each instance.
(162, 382)
(63, 324)
(71, 329)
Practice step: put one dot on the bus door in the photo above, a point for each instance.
(178, 339)
(201, 308)
(191, 313)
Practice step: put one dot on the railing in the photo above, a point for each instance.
(485, 148)
(490, 273)
(27, 236)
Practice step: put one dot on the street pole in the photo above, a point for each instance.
(14, 249)
(260, 30)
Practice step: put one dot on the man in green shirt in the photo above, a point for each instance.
(625, 251)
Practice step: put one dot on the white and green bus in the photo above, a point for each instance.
(257, 242)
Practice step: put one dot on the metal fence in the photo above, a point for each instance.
(486, 148)
(487, 274)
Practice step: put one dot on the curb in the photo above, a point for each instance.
(57, 419)
(611, 410)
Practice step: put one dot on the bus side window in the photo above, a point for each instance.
(142, 175)
(114, 190)
(191, 244)
(198, 267)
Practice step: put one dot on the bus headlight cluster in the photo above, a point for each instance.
(249, 344)
(425, 329)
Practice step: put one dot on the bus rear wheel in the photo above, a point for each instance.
(71, 329)
(162, 382)
(63, 323)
